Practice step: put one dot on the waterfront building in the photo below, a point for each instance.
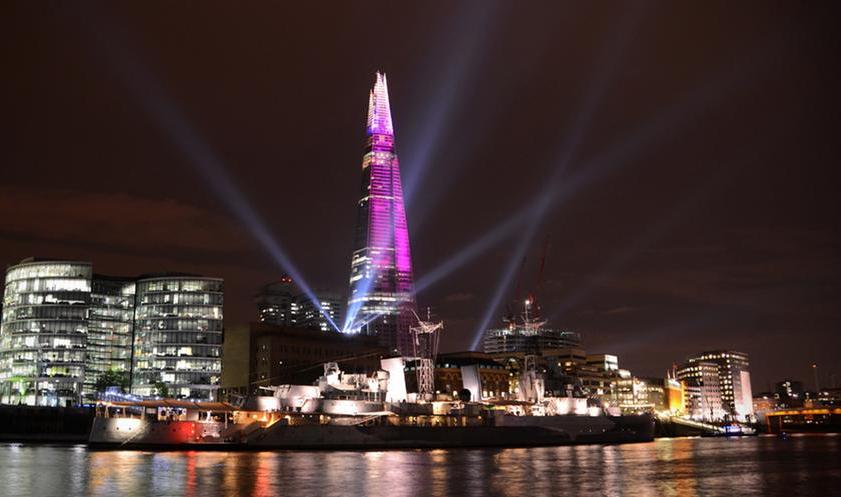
(44, 332)
(494, 377)
(674, 396)
(734, 378)
(178, 336)
(235, 361)
(283, 355)
(110, 328)
(64, 327)
(381, 300)
(763, 403)
(637, 395)
(702, 390)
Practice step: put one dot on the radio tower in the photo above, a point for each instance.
(425, 338)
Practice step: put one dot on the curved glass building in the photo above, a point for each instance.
(178, 336)
(64, 327)
(44, 332)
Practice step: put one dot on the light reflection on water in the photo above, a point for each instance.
(803, 465)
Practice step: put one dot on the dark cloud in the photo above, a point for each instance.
(120, 220)
(460, 297)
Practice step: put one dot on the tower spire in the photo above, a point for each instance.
(379, 110)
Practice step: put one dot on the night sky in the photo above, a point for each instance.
(689, 150)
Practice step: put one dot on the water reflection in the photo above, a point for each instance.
(671, 467)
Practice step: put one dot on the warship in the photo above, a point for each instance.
(363, 411)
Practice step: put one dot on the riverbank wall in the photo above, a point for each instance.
(45, 424)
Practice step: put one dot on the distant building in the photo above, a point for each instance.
(734, 378)
(674, 396)
(493, 376)
(702, 390)
(599, 374)
(827, 397)
(309, 315)
(763, 403)
(282, 355)
(64, 327)
(282, 303)
(528, 340)
(637, 395)
(603, 362)
(276, 303)
(790, 393)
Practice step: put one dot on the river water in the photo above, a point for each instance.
(801, 465)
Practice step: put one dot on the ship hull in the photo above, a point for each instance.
(550, 432)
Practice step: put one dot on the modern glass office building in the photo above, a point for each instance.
(63, 327)
(110, 328)
(44, 332)
(178, 336)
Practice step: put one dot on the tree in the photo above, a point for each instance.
(112, 378)
(161, 389)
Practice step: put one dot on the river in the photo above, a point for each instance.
(801, 465)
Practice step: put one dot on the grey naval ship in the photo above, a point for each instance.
(364, 411)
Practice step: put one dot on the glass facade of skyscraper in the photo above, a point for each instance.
(44, 333)
(178, 337)
(109, 328)
(381, 299)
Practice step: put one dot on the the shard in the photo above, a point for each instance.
(381, 300)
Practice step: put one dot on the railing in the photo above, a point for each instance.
(356, 421)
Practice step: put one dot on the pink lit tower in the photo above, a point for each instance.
(382, 296)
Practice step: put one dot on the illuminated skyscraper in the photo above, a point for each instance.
(381, 299)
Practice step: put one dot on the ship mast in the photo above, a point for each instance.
(425, 339)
